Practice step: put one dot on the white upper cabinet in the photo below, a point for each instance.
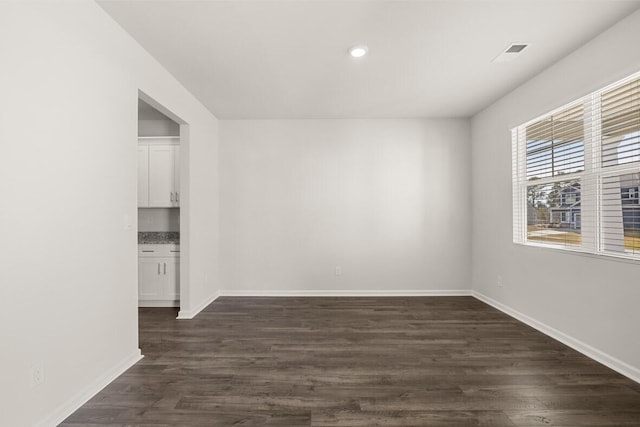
(162, 176)
(162, 188)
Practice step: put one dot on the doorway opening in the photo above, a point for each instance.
(162, 202)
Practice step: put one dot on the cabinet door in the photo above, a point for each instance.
(161, 176)
(143, 176)
(150, 279)
(172, 284)
(176, 174)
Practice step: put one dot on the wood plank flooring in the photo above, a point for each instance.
(432, 361)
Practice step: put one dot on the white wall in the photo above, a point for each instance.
(69, 82)
(159, 219)
(158, 128)
(594, 300)
(386, 200)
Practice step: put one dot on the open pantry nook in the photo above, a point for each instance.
(158, 209)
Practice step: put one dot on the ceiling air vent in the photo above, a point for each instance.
(511, 53)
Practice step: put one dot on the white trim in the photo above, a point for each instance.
(190, 314)
(603, 256)
(144, 141)
(158, 303)
(350, 293)
(82, 397)
(582, 347)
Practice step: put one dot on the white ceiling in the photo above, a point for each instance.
(288, 59)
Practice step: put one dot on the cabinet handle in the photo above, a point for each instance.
(165, 268)
(147, 251)
(172, 197)
(158, 268)
(177, 196)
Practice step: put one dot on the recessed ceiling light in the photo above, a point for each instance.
(358, 51)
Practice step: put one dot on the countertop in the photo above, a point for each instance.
(158, 237)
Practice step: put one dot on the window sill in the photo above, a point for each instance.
(578, 251)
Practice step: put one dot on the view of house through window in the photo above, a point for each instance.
(553, 213)
(554, 152)
(621, 213)
(576, 175)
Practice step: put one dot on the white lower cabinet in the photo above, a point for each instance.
(172, 285)
(150, 279)
(158, 275)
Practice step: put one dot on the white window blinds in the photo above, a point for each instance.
(555, 144)
(621, 124)
(576, 174)
(620, 212)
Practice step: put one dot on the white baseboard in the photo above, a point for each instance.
(158, 303)
(343, 293)
(190, 314)
(75, 402)
(584, 348)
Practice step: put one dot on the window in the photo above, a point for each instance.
(569, 199)
(576, 175)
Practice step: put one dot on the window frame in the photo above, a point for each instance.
(591, 177)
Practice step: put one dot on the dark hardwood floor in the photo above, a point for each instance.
(439, 361)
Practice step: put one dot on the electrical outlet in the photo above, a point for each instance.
(499, 281)
(37, 374)
(338, 271)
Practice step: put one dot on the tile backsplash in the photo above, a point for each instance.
(156, 237)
